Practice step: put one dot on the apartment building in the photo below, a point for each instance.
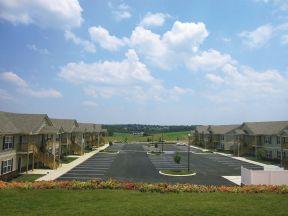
(28, 140)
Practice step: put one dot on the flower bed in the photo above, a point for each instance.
(143, 187)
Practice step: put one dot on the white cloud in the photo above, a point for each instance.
(186, 35)
(53, 13)
(214, 78)
(101, 36)
(88, 103)
(210, 60)
(121, 11)
(242, 84)
(87, 45)
(37, 49)
(153, 19)
(128, 78)
(14, 79)
(172, 48)
(24, 88)
(129, 70)
(258, 37)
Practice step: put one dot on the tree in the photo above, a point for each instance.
(177, 158)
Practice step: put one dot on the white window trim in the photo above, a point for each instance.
(8, 142)
(8, 167)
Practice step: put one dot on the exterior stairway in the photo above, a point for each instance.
(47, 158)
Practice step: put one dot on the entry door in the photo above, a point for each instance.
(19, 164)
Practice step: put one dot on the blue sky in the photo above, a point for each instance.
(154, 62)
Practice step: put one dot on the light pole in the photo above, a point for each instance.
(162, 142)
(189, 136)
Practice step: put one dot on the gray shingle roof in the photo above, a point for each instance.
(202, 129)
(68, 125)
(28, 123)
(266, 128)
(222, 129)
(6, 126)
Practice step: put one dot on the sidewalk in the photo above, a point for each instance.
(54, 174)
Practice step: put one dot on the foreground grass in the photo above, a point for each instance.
(168, 136)
(120, 202)
(27, 178)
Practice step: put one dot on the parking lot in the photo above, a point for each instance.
(132, 163)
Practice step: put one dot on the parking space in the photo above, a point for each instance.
(134, 164)
(95, 167)
(231, 162)
(165, 161)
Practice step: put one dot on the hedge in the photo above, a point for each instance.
(143, 187)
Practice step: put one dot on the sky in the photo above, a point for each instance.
(145, 61)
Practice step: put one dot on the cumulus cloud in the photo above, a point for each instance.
(53, 13)
(171, 48)
(121, 11)
(129, 78)
(24, 88)
(102, 36)
(87, 45)
(284, 39)
(154, 19)
(14, 79)
(129, 70)
(258, 37)
(210, 60)
(214, 78)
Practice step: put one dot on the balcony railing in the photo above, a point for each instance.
(25, 147)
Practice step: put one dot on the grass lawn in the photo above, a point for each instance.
(119, 202)
(67, 160)
(168, 136)
(27, 178)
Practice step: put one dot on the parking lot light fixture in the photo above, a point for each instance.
(189, 137)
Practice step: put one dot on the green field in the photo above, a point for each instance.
(168, 136)
(120, 202)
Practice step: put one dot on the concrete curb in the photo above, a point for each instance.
(53, 175)
(161, 173)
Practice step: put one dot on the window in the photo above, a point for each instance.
(268, 139)
(222, 137)
(269, 154)
(278, 154)
(278, 140)
(8, 142)
(7, 166)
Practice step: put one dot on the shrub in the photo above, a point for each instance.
(177, 158)
(110, 143)
(143, 187)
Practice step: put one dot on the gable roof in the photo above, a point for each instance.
(266, 128)
(6, 126)
(28, 123)
(68, 125)
(202, 129)
(222, 129)
(87, 127)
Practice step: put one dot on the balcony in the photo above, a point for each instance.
(24, 148)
